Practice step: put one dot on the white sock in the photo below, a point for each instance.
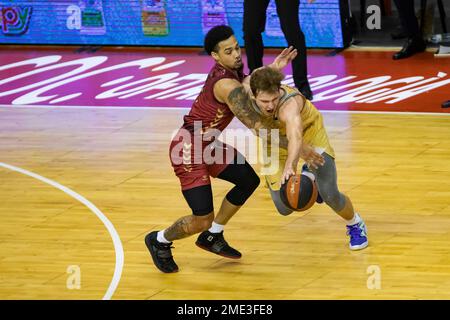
(161, 237)
(216, 228)
(356, 219)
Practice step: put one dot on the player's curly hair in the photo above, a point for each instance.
(265, 79)
(216, 35)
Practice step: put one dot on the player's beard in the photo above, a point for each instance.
(238, 64)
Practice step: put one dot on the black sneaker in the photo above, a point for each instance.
(161, 253)
(215, 243)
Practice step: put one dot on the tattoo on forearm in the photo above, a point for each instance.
(180, 229)
(241, 106)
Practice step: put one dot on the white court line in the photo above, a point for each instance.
(112, 231)
(187, 108)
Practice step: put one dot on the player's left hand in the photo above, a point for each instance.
(284, 58)
(311, 157)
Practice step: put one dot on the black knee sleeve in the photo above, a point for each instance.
(245, 179)
(200, 200)
(241, 192)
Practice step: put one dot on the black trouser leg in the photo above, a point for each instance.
(254, 24)
(408, 17)
(290, 25)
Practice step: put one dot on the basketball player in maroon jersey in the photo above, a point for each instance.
(196, 154)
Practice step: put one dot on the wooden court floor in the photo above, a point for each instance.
(79, 185)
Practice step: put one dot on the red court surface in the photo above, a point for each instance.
(165, 77)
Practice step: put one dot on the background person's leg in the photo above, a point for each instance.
(253, 26)
(288, 11)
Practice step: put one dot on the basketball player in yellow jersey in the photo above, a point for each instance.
(301, 123)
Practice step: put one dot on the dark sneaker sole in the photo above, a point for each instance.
(219, 254)
(154, 258)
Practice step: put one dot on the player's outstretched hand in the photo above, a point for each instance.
(284, 58)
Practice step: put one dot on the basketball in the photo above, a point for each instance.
(299, 192)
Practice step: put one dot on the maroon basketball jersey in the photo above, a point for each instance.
(212, 113)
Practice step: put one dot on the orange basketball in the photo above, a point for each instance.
(299, 192)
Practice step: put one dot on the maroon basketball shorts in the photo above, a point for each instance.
(195, 161)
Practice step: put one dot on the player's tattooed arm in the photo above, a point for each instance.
(238, 100)
(240, 104)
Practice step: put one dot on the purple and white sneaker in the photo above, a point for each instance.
(358, 236)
